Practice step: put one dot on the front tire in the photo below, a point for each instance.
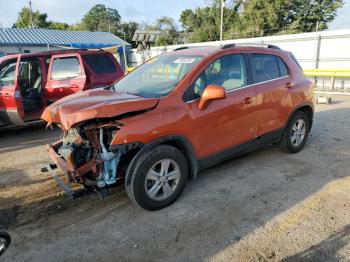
(296, 133)
(159, 177)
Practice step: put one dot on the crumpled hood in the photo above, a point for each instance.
(95, 103)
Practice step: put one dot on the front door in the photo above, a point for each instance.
(227, 122)
(11, 106)
(66, 76)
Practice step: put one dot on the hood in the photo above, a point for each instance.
(95, 103)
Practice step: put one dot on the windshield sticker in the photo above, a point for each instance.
(184, 60)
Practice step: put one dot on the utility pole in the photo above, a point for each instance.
(222, 18)
(30, 15)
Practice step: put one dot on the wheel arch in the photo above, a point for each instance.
(308, 109)
(176, 141)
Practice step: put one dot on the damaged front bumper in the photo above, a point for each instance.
(74, 174)
(83, 157)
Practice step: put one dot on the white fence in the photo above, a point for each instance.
(322, 50)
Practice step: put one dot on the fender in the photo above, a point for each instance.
(183, 142)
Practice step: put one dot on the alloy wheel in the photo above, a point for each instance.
(162, 179)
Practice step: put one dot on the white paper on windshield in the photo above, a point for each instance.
(184, 60)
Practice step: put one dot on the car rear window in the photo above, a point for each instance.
(100, 64)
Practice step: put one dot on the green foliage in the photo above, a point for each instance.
(24, 21)
(204, 23)
(169, 33)
(58, 26)
(126, 30)
(242, 18)
(101, 18)
(253, 18)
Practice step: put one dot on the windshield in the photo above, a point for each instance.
(158, 76)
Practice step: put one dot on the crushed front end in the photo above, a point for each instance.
(84, 156)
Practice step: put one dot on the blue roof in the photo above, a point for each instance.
(17, 36)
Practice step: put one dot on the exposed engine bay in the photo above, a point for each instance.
(84, 154)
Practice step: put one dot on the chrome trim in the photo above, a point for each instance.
(243, 87)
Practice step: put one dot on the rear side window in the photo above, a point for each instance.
(100, 64)
(8, 73)
(65, 68)
(265, 67)
(282, 67)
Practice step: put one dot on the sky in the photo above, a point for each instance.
(141, 11)
(71, 11)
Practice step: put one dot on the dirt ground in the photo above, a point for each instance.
(264, 206)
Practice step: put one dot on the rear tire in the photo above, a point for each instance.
(296, 133)
(159, 177)
(5, 241)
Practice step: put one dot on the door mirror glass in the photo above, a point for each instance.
(211, 92)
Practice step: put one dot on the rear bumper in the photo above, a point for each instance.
(74, 174)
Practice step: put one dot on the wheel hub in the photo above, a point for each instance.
(162, 179)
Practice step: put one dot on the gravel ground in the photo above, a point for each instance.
(264, 206)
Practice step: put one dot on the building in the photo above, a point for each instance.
(15, 40)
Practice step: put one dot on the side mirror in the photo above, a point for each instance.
(211, 92)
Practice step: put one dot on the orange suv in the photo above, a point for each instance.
(179, 113)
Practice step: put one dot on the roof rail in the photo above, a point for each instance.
(227, 46)
(273, 47)
(192, 46)
(249, 44)
(181, 48)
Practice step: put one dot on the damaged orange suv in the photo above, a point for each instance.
(179, 113)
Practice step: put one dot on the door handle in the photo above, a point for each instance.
(7, 96)
(248, 100)
(289, 85)
(74, 86)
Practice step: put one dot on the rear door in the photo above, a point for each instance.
(103, 67)
(66, 76)
(272, 80)
(11, 106)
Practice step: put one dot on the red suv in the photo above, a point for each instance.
(179, 113)
(30, 82)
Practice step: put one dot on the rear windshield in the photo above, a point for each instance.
(100, 63)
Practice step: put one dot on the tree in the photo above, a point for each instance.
(101, 18)
(204, 23)
(270, 17)
(169, 34)
(24, 21)
(126, 30)
(307, 13)
(58, 26)
(250, 18)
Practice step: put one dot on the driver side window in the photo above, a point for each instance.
(7, 73)
(228, 71)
